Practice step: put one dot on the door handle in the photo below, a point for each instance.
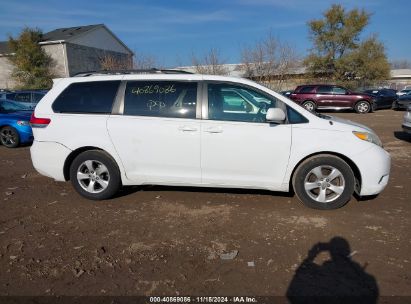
(187, 129)
(214, 130)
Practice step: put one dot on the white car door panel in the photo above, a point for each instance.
(157, 150)
(244, 154)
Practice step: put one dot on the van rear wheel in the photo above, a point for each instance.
(95, 175)
(324, 182)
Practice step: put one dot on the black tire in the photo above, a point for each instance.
(362, 107)
(303, 176)
(309, 105)
(111, 175)
(9, 137)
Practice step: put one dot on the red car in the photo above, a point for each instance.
(332, 97)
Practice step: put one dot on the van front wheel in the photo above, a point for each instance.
(324, 182)
(95, 175)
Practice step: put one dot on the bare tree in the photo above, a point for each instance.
(145, 62)
(110, 62)
(269, 61)
(401, 64)
(141, 61)
(210, 63)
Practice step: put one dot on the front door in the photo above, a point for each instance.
(239, 148)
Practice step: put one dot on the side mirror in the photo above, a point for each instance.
(276, 115)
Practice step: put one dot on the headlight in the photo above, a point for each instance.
(22, 123)
(370, 137)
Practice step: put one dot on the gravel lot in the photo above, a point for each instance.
(192, 241)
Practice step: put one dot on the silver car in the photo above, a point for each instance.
(406, 125)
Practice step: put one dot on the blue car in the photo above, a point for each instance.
(14, 124)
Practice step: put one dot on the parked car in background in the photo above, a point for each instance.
(383, 98)
(403, 92)
(195, 130)
(239, 101)
(26, 98)
(402, 102)
(14, 124)
(332, 97)
(406, 125)
(3, 93)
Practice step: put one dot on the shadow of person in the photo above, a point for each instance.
(338, 280)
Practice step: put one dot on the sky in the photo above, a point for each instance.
(173, 30)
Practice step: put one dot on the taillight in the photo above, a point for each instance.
(36, 122)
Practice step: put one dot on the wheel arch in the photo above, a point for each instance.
(7, 125)
(353, 166)
(70, 158)
(310, 100)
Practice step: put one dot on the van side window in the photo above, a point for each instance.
(161, 99)
(87, 97)
(236, 103)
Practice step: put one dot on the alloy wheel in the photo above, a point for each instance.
(363, 107)
(8, 137)
(324, 184)
(93, 176)
(309, 106)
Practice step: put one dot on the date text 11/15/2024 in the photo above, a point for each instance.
(203, 299)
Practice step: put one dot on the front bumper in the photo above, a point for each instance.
(374, 165)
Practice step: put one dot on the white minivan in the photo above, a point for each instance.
(166, 127)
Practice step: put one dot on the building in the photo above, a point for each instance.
(400, 79)
(74, 50)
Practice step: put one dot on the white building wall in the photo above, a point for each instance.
(6, 69)
(57, 52)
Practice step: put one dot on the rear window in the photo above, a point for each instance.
(24, 97)
(87, 97)
(37, 97)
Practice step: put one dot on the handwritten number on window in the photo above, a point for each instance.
(154, 89)
(153, 104)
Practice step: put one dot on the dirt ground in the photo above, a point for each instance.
(192, 241)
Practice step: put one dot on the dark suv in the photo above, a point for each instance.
(25, 98)
(331, 97)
